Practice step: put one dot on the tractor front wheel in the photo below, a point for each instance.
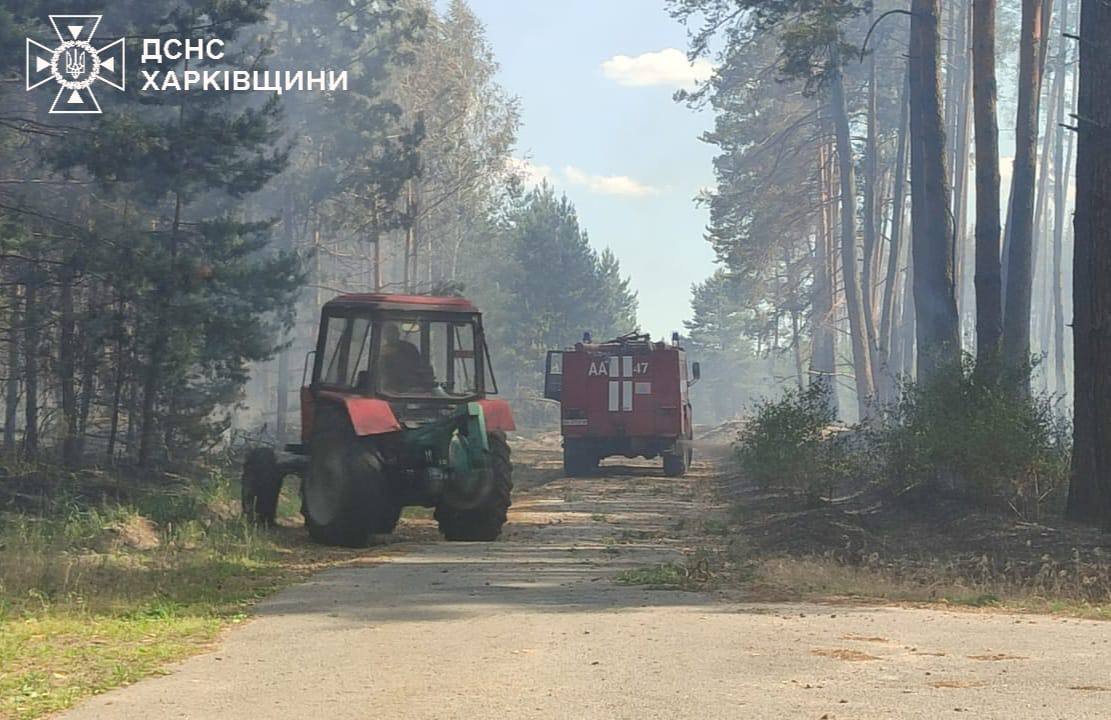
(346, 495)
(261, 485)
(483, 521)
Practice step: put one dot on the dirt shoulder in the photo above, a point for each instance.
(866, 543)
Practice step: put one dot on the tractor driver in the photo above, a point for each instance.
(401, 362)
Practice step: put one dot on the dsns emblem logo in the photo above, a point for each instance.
(76, 64)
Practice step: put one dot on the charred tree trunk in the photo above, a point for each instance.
(1020, 251)
(1090, 490)
(935, 303)
(862, 356)
(988, 277)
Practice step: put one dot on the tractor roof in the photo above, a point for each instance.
(383, 301)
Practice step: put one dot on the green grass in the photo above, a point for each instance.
(665, 576)
(714, 526)
(416, 512)
(92, 597)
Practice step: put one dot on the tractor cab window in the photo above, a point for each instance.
(429, 358)
(346, 355)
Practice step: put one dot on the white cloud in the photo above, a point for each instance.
(607, 184)
(529, 172)
(668, 67)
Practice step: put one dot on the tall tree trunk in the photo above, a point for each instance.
(962, 158)
(862, 356)
(89, 355)
(1090, 490)
(796, 336)
(823, 353)
(1020, 251)
(895, 252)
(31, 330)
(155, 358)
(934, 296)
(907, 329)
(282, 399)
(1042, 311)
(67, 369)
(868, 284)
(11, 385)
(988, 277)
(1060, 208)
(118, 379)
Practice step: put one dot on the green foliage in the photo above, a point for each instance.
(784, 443)
(810, 34)
(954, 435)
(981, 439)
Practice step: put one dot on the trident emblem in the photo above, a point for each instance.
(75, 63)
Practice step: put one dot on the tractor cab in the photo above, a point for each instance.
(422, 356)
(402, 347)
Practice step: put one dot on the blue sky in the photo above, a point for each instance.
(599, 122)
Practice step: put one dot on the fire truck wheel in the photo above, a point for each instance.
(675, 464)
(261, 485)
(578, 462)
(346, 495)
(482, 522)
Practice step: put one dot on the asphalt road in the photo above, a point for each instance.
(535, 626)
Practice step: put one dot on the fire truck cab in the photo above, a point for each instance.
(628, 396)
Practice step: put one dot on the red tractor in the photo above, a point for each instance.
(396, 413)
(627, 396)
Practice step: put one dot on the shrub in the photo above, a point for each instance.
(957, 433)
(983, 439)
(784, 442)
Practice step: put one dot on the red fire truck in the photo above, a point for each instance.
(627, 396)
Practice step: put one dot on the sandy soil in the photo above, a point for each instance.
(535, 626)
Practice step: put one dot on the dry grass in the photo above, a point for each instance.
(957, 684)
(864, 638)
(824, 578)
(844, 654)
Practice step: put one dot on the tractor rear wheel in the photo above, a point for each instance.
(261, 485)
(578, 461)
(482, 521)
(346, 493)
